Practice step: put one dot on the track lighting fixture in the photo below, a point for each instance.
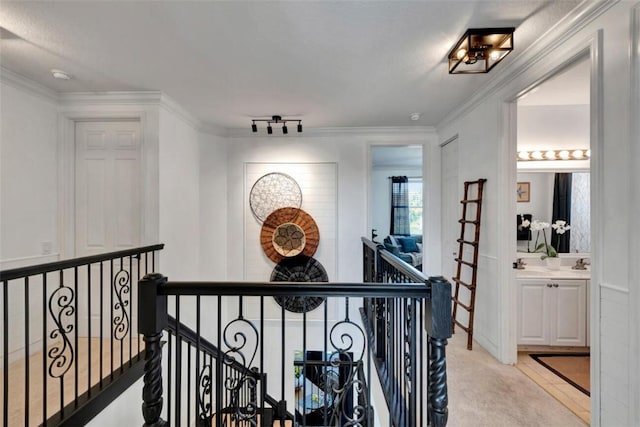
(275, 119)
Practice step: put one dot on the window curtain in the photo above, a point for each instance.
(399, 205)
(561, 210)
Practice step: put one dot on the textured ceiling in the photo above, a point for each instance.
(332, 64)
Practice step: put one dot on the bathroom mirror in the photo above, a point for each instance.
(540, 207)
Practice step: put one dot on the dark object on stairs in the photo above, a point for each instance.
(463, 261)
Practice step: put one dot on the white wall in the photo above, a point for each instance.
(179, 197)
(213, 207)
(488, 154)
(28, 166)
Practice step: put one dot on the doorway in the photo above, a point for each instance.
(553, 309)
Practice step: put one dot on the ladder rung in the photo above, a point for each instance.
(468, 221)
(464, 328)
(457, 301)
(466, 285)
(470, 201)
(481, 180)
(474, 243)
(470, 264)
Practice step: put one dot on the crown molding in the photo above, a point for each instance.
(111, 98)
(417, 131)
(576, 20)
(21, 82)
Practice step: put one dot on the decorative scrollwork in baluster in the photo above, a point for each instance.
(241, 338)
(122, 287)
(345, 337)
(204, 396)
(61, 354)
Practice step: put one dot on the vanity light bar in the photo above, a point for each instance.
(554, 155)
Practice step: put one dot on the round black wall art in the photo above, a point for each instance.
(300, 268)
(274, 191)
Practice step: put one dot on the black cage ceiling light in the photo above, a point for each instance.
(275, 120)
(480, 49)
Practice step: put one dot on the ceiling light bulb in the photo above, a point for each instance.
(551, 155)
(415, 116)
(578, 154)
(524, 155)
(461, 53)
(61, 75)
(588, 153)
(564, 154)
(494, 54)
(536, 155)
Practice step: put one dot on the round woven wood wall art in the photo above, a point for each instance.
(277, 236)
(273, 191)
(300, 268)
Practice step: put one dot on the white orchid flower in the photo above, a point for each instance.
(526, 223)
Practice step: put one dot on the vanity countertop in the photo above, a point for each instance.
(540, 272)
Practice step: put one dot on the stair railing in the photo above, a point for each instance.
(406, 336)
(317, 361)
(70, 342)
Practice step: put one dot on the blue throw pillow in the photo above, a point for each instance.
(408, 244)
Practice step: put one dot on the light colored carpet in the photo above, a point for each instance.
(484, 392)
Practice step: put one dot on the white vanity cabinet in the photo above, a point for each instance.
(552, 312)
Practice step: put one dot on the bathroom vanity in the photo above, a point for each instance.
(553, 305)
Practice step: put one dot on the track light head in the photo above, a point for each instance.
(254, 127)
(284, 128)
(269, 129)
(299, 126)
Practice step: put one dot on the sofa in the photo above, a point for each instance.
(407, 248)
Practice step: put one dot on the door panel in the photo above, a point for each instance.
(449, 209)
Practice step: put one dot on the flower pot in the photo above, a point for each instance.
(553, 263)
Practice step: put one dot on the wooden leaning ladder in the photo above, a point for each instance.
(460, 259)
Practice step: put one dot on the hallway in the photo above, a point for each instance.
(484, 392)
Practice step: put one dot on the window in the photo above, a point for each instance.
(415, 205)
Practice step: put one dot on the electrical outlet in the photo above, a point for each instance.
(46, 248)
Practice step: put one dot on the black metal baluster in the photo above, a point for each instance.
(219, 380)
(178, 365)
(44, 349)
(169, 371)
(89, 340)
(412, 349)
(282, 365)
(75, 324)
(211, 394)
(324, 347)
(130, 307)
(61, 376)
(5, 360)
(137, 310)
(26, 351)
(422, 362)
(188, 383)
(262, 376)
(111, 285)
(304, 360)
(101, 319)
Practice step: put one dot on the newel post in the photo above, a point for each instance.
(438, 325)
(152, 319)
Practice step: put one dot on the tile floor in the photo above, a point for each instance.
(578, 402)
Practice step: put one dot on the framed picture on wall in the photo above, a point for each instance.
(522, 191)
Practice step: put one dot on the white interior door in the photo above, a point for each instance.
(450, 206)
(108, 204)
(107, 218)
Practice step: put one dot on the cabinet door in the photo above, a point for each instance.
(569, 317)
(533, 307)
